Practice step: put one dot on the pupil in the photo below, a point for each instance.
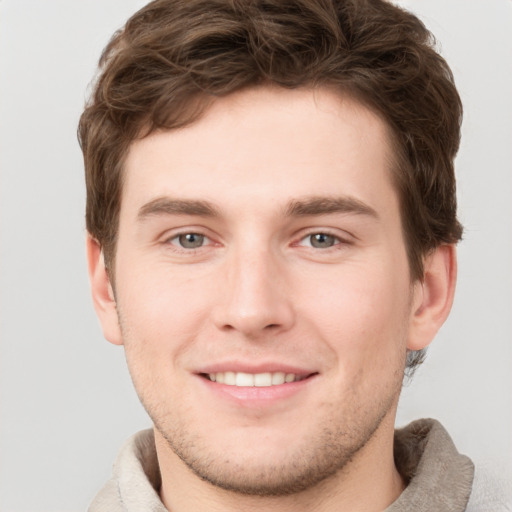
(322, 240)
(191, 240)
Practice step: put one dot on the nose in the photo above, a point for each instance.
(254, 298)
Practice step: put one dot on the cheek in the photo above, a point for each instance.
(161, 318)
(159, 300)
(360, 312)
(160, 322)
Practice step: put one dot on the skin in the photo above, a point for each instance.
(259, 293)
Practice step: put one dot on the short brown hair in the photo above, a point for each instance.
(173, 56)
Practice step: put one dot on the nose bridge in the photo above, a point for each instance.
(255, 297)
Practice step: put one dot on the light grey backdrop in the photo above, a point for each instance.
(66, 401)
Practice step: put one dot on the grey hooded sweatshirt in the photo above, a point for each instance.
(438, 477)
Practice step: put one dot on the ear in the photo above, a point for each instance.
(102, 293)
(433, 296)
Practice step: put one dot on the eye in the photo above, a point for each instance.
(320, 240)
(189, 240)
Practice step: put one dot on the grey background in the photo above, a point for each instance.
(66, 400)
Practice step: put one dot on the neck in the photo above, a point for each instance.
(370, 482)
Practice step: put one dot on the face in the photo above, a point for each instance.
(263, 288)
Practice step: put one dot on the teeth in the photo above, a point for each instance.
(230, 378)
(253, 379)
(278, 378)
(263, 379)
(244, 380)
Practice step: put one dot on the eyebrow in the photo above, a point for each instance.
(329, 205)
(171, 206)
(296, 208)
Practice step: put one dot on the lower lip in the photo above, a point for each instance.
(257, 396)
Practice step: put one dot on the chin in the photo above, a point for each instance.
(252, 461)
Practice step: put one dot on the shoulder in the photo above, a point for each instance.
(492, 488)
(135, 479)
(108, 499)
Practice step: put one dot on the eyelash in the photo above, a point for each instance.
(178, 236)
(337, 241)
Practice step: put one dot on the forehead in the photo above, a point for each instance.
(263, 144)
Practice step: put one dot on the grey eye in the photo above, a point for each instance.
(322, 240)
(191, 240)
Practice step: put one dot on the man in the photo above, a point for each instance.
(272, 219)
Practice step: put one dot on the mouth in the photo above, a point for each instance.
(266, 379)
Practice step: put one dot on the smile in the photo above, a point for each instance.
(242, 379)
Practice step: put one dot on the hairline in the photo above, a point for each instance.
(199, 106)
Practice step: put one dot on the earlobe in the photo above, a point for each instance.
(433, 296)
(102, 293)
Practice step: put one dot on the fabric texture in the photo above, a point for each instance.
(438, 477)
(135, 480)
(492, 488)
